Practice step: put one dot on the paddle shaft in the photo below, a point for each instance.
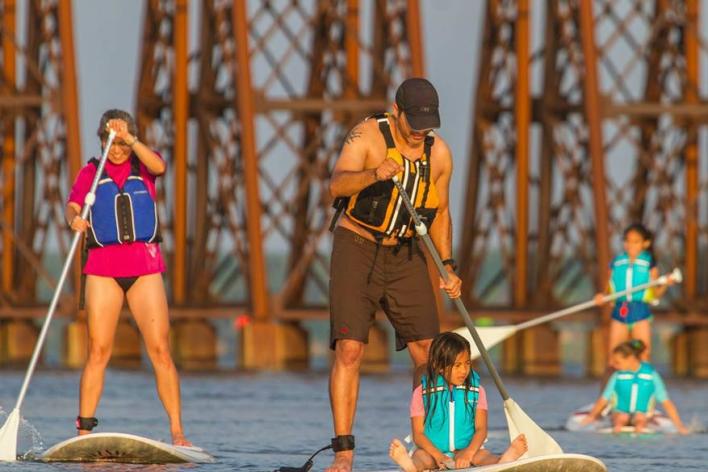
(422, 231)
(589, 304)
(88, 201)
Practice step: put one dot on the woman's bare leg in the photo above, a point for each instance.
(148, 303)
(104, 300)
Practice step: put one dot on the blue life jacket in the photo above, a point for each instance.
(123, 215)
(441, 406)
(634, 391)
(627, 274)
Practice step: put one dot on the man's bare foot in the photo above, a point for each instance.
(81, 432)
(343, 461)
(397, 451)
(178, 439)
(517, 448)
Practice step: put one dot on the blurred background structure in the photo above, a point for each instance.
(588, 115)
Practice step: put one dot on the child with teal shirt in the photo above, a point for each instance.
(633, 390)
(449, 414)
(636, 265)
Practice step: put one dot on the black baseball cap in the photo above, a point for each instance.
(418, 99)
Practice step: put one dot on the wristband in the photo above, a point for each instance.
(451, 262)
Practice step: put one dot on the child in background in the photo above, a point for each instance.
(633, 390)
(631, 316)
(450, 391)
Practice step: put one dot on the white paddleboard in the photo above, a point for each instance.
(121, 447)
(550, 463)
(659, 423)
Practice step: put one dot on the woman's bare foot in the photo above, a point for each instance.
(178, 439)
(343, 461)
(397, 451)
(517, 448)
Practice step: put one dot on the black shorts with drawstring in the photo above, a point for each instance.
(364, 278)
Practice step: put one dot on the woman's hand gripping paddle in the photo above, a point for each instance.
(8, 433)
(539, 442)
(493, 335)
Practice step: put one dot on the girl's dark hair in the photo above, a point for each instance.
(633, 347)
(116, 114)
(644, 232)
(441, 357)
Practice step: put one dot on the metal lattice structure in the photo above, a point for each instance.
(278, 84)
(41, 148)
(618, 115)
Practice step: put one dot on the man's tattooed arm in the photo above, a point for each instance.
(353, 134)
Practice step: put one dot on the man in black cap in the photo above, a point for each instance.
(376, 260)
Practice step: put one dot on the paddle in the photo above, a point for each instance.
(539, 442)
(8, 433)
(493, 335)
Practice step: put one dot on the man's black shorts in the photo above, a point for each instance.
(398, 282)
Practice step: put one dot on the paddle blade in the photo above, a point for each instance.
(677, 276)
(540, 443)
(8, 437)
(490, 336)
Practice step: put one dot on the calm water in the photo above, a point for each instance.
(261, 421)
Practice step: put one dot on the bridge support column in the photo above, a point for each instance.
(17, 341)
(597, 352)
(511, 350)
(541, 351)
(698, 351)
(274, 345)
(194, 344)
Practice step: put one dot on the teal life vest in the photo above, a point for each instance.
(627, 274)
(634, 391)
(440, 406)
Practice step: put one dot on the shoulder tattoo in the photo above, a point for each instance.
(355, 133)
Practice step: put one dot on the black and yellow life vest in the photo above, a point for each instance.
(379, 208)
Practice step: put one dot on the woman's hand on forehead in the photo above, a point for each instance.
(121, 129)
(117, 125)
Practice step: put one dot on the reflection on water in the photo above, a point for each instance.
(260, 421)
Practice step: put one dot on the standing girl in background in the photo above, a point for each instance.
(633, 390)
(636, 265)
(450, 393)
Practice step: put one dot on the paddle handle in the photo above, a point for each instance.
(675, 275)
(88, 201)
(422, 231)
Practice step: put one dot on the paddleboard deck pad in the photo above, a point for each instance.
(658, 423)
(549, 463)
(124, 448)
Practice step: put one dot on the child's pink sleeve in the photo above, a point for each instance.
(482, 400)
(417, 408)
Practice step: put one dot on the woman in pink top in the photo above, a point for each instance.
(124, 262)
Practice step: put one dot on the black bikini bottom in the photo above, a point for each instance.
(125, 282)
